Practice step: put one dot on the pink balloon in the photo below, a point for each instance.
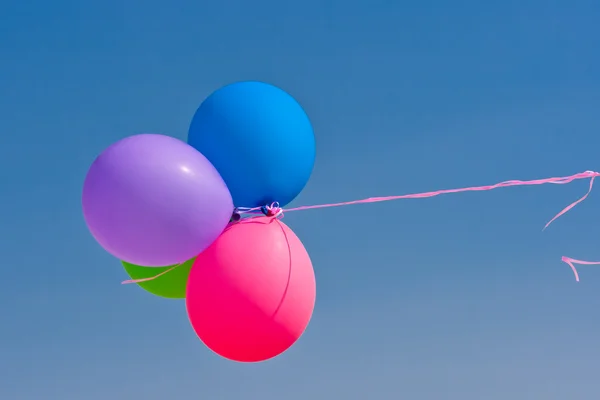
(251, 294)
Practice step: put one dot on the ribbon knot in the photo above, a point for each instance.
(272, 210)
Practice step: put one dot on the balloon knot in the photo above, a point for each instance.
(272, 210)
(236, 216)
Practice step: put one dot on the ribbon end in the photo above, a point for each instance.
(569, 261)
(129, 281)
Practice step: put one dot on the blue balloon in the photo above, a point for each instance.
(259, 139)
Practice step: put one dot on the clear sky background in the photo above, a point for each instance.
(460, 297)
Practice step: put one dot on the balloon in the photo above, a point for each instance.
(154, 200)
(171, 285)
(259, 139)
(251, 295)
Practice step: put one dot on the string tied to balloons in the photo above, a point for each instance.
(274, 210)
(268, 210)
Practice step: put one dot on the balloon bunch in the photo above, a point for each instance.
(201, 220)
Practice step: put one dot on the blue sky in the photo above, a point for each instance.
(457, 297)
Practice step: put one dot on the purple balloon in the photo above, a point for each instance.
(153, 200)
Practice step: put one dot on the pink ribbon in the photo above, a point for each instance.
(276, 212)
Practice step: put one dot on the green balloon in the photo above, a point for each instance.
(170, 285)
